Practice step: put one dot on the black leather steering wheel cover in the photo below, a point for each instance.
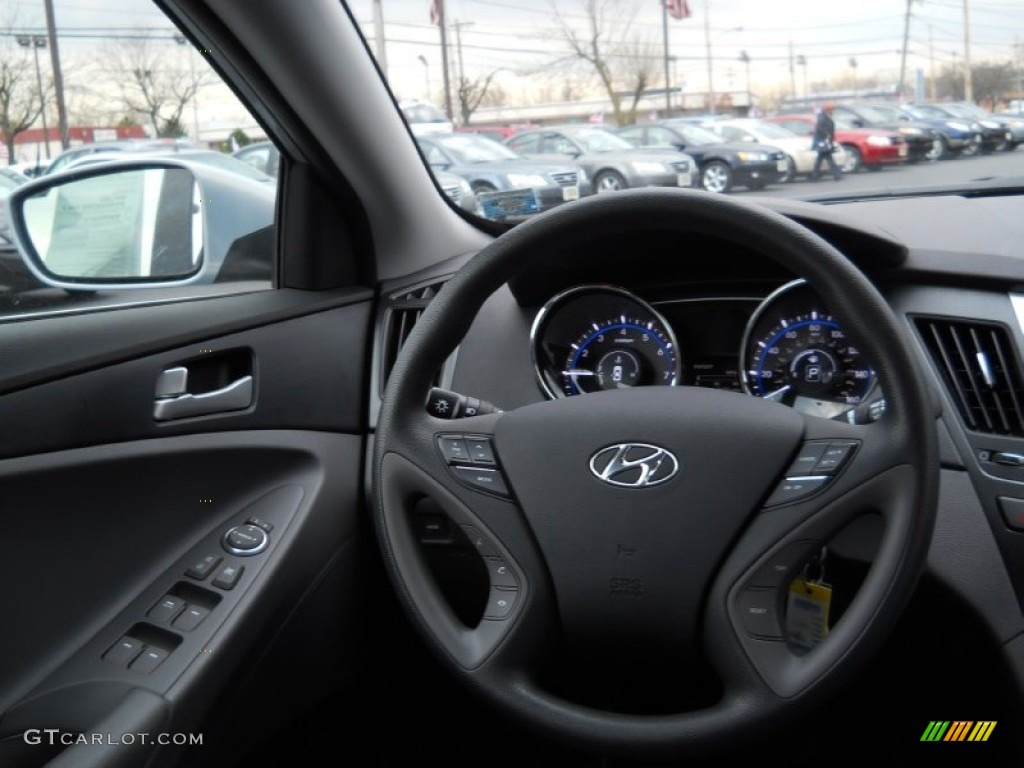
(848, 293)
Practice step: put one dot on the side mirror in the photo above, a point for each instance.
(140, 224)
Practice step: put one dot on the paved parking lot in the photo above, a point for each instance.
(999, 164)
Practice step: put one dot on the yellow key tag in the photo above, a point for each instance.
(807, 613)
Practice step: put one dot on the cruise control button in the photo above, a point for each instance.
(191, 618)
(202, 569)
(833, 458)
(489, 480)
(759, 612)
(480, 449)
(166, 609)
(501, 574)
(245, 540)
(501, 603)
(806, 460)
(779, 569)
(453, 448)
(150, 659)
(123, 651)
(228, 576)
(795, 488)
(479, 542)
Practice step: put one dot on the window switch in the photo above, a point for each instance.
(228, 576)
(190, 618)
(150, 659)
(123, 651)
(165, 611)
(202, 569)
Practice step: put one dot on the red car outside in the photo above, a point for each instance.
(869, 148)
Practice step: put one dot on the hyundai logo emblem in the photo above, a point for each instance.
(634, 465)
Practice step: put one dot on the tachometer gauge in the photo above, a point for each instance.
(599, 337)
(796, 352)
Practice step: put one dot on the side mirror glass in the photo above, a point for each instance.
(112, 227)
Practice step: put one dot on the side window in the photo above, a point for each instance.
(557, 144)
(634, 136)
(95, 235)
(731, 133)
(660, 137)
(525, 145)
(799, 127)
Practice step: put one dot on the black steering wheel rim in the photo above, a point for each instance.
(903, 485)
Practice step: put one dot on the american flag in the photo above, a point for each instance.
(436, 11)
(677, 9)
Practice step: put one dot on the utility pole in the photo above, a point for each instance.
(461, 82)
(745, 58)
(664, 36)
(801, 61)
(792, 72)
(931, 65)
(444, 61)
(903, 54)
(378, 33)
(58, 78)
(968, 85)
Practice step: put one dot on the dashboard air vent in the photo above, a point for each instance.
(979, 367)
(401, 315)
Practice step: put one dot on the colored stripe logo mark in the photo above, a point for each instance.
(958, 730)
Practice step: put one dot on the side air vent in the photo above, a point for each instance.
(403, 311)
(979, 366)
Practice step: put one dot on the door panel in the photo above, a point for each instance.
(104, 509)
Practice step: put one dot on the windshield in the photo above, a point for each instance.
(767, 130)
(594, 140)
(466, 149)
(877, 113)
(695, 136)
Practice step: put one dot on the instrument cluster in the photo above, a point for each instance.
(787, 347)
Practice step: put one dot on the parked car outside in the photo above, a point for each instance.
(869, 148)
(122, 145)
(800, 156)
(923, 141)
(993, 134)
(998, 136)
(9, 179)
(424, 118)
(263, 156)
(493, 170)
(611, 162)
(1015, 123)
(722, 165)
(957, 136)
(203, 156)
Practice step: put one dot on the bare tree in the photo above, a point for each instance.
(624, 62)
(153, 83)
(21, 104)
(471, 94)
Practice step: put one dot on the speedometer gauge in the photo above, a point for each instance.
(599, 337)
(796, 352)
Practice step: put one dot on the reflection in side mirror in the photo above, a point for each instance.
(122, 225)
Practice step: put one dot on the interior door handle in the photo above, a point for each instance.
(233, 397)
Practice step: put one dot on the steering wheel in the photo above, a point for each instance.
(656, 522)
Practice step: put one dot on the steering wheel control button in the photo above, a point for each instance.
(806, 460)
(477, 478)
(795, 488)
(501, 603)
(453, 448)
(759, 612)
(191, 618)
(166, 609)
(123, 651)
(245, 540)
(480, 451)
(501, 574)
(200, 570)
(228, 576)
(150, 659)
(1013, 512)
(781, 567)
(432, 529)
(480, 543)
(834, 457)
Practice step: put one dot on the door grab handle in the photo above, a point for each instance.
(233, 397)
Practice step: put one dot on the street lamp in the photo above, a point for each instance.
(36, 42)
(426, 76)
(853, 66)
(708, 41)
